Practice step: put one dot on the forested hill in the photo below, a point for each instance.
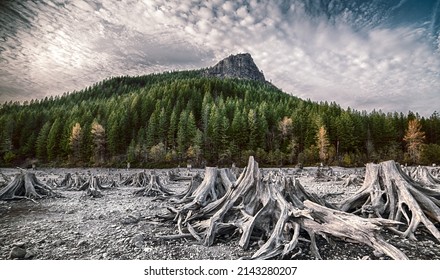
(187, 117)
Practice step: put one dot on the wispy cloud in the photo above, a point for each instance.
(351, 52)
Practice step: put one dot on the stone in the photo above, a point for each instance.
(30, 254)
(240, 66)
(19, 244)
(17, 253)
(82, 242)
(138, 240)
(59, 242)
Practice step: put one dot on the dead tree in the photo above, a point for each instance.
(154, 188)
(273, 210)
(26, 185)
(388, 192)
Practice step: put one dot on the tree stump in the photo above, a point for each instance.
(138, 180)
(93, 187)
(390, 193)
(273, 210)
(26, 186)
(422, 175)
(154, 188)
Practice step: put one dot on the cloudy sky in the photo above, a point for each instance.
(379, 54)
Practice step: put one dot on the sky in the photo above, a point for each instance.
(378, 54)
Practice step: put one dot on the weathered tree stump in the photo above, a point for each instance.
(175, 176)
(138, 180)
(352, 179)
(422, 175)
(273, 210)
(72, 182)
(93, 187)
(154, 188)
(26, 186)
(390, 193)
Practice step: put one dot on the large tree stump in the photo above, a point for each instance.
(93, 187)
(390, 193)
(138, 180)
(273, 210)
(422, 175)
(26, 185)
(176, 176)
(72, 182)
(154, 188)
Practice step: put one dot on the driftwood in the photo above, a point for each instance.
(390, 193)
(274, 211)
(26, 186)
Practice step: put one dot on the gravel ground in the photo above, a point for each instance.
(119, 226)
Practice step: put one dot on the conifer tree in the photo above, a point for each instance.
(41, 148)
(54, 140)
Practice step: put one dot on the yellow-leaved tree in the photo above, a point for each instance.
(414, 138)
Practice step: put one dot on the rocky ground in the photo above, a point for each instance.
(119, 225)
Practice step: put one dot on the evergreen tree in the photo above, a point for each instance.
(53, 140)
(41, 148)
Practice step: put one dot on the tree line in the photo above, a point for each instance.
(180, 117)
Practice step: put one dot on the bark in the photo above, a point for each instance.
(390, 193)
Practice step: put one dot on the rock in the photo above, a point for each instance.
(82, 242)
(148, 249)
(17, 253)
(239, 66)
(30, 254)
(138, 240)
(58, 242)
(19, 244)
(131, 219)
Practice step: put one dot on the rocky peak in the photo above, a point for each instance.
(240, 66)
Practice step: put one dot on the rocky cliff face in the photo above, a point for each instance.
(240, 66)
